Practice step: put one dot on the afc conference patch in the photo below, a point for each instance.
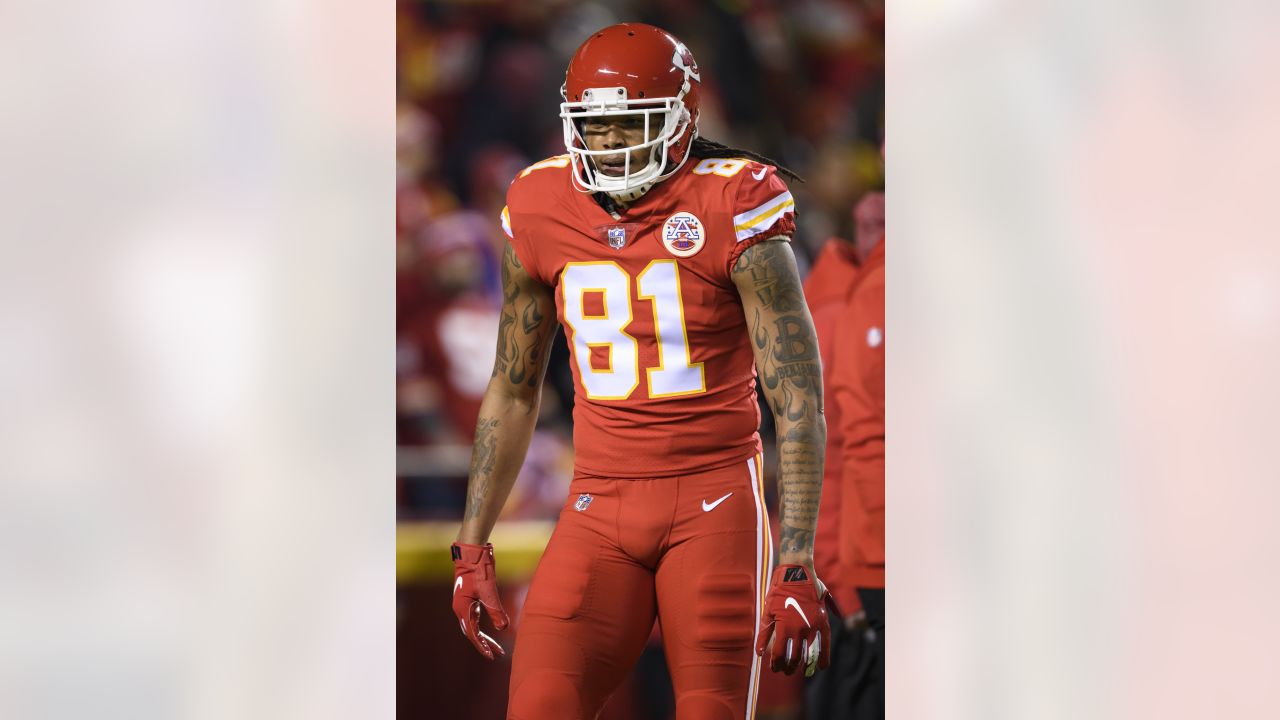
(683, 234)
(583, 501)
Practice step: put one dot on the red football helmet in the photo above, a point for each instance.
(631, 69)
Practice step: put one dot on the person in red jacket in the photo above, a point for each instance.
(857, 397)
(858, 391)
(842, 692)
(835, 273)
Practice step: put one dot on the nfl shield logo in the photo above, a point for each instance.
(617, 238)
(583, 501)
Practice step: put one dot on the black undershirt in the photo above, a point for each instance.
(609, 204)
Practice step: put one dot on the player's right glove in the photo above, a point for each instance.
(795, 618)
(475, 584)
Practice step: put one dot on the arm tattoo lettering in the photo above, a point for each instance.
(484, 455)
(772, 280)
(790, 370)
(794, 340)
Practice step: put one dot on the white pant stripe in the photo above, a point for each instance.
(763, 556)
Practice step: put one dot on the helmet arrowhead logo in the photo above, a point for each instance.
(677, 59)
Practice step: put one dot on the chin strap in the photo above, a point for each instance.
(631, 195)
(635, 193)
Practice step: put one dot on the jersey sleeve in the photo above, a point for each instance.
(505, 217)
(516, 226)
(762, 208)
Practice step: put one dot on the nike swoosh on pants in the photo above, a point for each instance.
(708, 507)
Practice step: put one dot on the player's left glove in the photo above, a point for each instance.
(475, 584)
(795, 617)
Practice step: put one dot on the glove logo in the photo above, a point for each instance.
(795, 574)
(457, 585)
(791, 603)
(583, 501)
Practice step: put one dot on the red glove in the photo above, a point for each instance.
(795, 617)
(474, 584)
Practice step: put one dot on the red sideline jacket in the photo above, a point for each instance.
(857, 388)
(826, 289)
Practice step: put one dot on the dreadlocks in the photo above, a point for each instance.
(704, 148)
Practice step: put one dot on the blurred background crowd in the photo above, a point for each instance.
(478, 100)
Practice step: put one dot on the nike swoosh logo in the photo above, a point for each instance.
(457, 584)
(759, 175)
(708, 507)
(791, 603)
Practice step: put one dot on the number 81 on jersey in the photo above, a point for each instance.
(658, 283)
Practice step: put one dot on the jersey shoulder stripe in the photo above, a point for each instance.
(760, 219)
(555, 161)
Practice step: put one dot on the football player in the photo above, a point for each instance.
(666, 259)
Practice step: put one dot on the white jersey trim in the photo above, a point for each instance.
(506, 223)
(754, 222)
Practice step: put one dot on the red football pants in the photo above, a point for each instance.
(692, 551)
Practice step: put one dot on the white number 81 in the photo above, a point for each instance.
(659, 283)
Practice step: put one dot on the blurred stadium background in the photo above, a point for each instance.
(478, 95)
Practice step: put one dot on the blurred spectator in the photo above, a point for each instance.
(419, 194)
(449, 317)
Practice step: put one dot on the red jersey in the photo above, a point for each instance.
(663, 371)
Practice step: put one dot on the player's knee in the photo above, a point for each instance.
(544, 696)
(726, 611)
(705, 707)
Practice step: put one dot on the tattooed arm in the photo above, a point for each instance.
(510, 405)
(790, 370)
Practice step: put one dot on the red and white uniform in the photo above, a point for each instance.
(663, 369)
(665, 518)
